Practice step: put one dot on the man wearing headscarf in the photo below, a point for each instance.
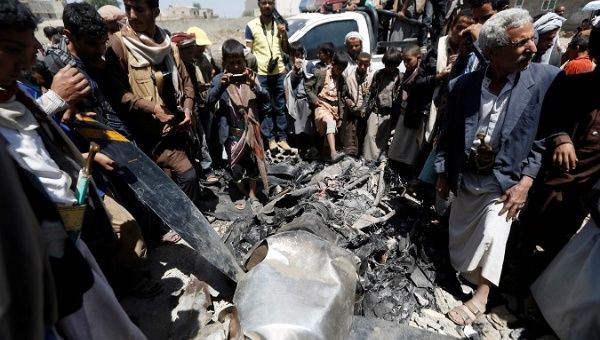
(354, 45)
(152, 91)
(547, 28)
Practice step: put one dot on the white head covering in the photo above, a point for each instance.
(352, 35)
(548, 22)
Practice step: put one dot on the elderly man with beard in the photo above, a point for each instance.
(354, 45)
(486, 153)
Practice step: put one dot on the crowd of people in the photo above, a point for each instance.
(481, 123)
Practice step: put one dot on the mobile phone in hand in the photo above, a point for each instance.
(238, 78)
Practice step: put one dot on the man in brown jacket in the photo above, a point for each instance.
(154, 91)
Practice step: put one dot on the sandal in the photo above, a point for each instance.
(171, 237)
(465, 314)
(211, 179)
(240, 204)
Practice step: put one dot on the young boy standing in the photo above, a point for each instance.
(240, 97)
(382, 105)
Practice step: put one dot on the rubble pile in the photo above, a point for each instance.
(360, 207)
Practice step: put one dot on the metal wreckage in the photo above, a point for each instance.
(340, 252)
(335, 253)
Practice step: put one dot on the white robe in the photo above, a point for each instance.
(478, 236)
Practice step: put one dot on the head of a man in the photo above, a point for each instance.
(186, 43)
(49, 31)
(266, 7)
(363, 63)
(326, 52)
(86, 30)
(234, 60)
(202, 41)
(353, 44)
(392, 58)
(338, 64)
(296, 51)
(141, 15)
(560, 10)
(482, 10)
(578, 46)
(411, 57)
(585, 24)
(507, 39)
(17, 42)
(460, 22)
(546, 41)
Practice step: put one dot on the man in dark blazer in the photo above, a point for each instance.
(487, 153)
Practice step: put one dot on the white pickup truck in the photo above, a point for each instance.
(314, 29)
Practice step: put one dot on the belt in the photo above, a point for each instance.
(330, 102)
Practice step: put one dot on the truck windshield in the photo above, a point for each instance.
(334, 31)
(294, 25)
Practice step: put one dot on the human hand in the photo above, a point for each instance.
(226, 79)
(514, 198)
(281, 29)
(187, 120)
(442, 75)
(105, 162)
(473, 30)
(401, 15)
(250, 76)
(441, 186)
(70, 84)
(564, 157)
(163, 114)
(72, 113)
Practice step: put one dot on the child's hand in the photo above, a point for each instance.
(250, 76)
(226, 79)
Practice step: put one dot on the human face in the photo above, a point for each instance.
(411, 61)
(546, 41)
(236, 65)
(187, 53)
(88, 49)
(561, 11)
(461, 24)
(17, 53)
(354, 47)
(363, 65)
(295, 55)
(517, 54)
(141, 17)
(266, 7)
(198, 50)
(483, 13)
(324, 57)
